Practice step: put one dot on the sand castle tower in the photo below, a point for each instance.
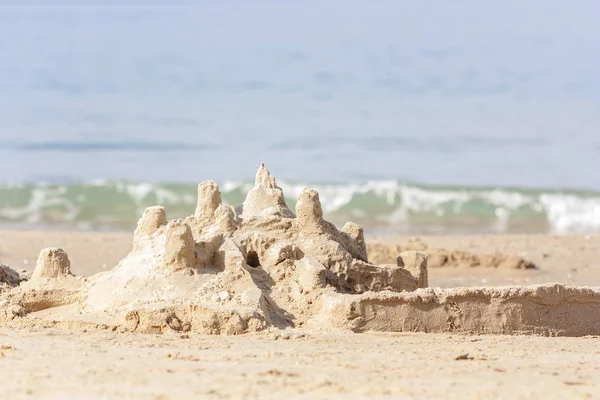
(52, 262)
(265, 198)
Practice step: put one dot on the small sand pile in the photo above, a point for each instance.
(381, 253)
(51, 263)
(9, 278)
(226, 270)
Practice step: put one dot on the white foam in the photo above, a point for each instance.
(138, 191)
(565, 213)
(385, 203)
(40, 199)
(571, 214)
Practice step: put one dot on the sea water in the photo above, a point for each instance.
(408, 118)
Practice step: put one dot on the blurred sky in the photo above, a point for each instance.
(295, 82)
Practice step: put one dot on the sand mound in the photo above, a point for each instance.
(226, 270)
(382, 253)
(9, 278)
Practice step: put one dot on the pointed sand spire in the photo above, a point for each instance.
(264, 178)
(265, 198)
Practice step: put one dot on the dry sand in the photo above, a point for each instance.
(48, 362)
(63, 365)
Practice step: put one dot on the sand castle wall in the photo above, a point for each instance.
(548, 310)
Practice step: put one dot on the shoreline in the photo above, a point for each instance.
(381, 207)
(569, 259)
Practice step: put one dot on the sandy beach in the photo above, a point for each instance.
(433, 231)
(568, 259)
(51, 362)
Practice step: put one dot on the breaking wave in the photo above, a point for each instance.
(383, 207)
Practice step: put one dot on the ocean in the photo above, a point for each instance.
(442, 118)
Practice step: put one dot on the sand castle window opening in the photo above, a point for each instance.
(252, 259)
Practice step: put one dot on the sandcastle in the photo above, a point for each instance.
(226, 270)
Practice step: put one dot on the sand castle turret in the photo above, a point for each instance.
(309, 214)
(226, 219)
(264, 178)
(209, 199)
(356, 232)
(357, 235)
(179, 246)
(416, 263)
(265, 198)
(52, 262)
(152, 219)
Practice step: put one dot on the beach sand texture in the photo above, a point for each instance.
(57, 363)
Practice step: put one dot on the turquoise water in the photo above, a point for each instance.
(382, 207)
(422, 117)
